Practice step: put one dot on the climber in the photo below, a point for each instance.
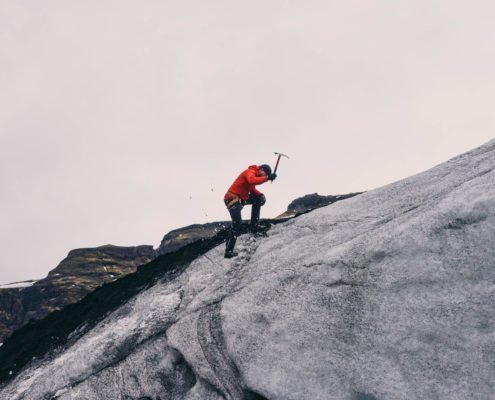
(242, 192)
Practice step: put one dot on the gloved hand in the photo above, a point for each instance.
(272, 177)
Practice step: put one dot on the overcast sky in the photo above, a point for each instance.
(122, 120)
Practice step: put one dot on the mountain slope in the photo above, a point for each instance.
(387, 295)
(83, 270)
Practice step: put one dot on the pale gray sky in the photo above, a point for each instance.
(122, 120)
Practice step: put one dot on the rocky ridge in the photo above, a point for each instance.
(83, 270)
(311, 202)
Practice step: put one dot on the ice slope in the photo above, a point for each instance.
(388, 295)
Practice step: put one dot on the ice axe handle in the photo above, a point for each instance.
(278, 160)
(276, 165)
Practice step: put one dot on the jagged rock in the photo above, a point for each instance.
(311, 202)
(178, 238)
(10, 311)
(388, 295)
(78, 274)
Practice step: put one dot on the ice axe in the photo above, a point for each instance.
(280, 155)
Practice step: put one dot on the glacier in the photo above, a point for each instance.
(386, 295)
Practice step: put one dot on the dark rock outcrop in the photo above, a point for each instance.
(10, 307)
(178, 238)
(313, 201)
(77, 275)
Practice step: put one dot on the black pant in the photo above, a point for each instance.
(235, 213)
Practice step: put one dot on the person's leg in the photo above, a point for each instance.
(257, 202)
(235, 229)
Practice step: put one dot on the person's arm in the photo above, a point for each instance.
(252, 179)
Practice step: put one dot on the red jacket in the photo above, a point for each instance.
(245, 183)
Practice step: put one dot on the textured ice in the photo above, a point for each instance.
(387, 295)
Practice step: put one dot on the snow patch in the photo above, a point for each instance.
(16, 285)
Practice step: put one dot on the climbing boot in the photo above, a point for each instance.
(230, 244)
(230, 254)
